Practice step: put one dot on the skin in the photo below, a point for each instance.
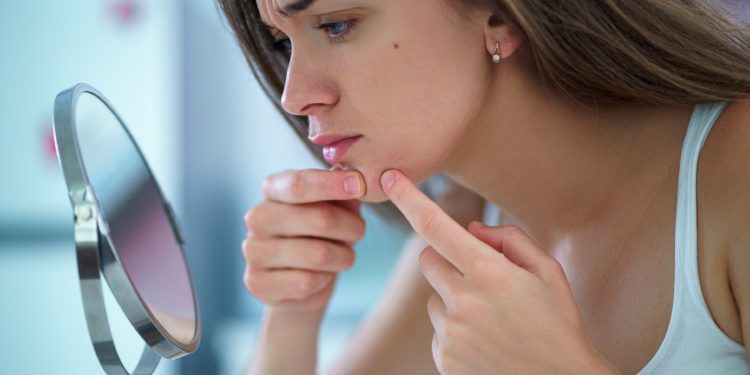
(593, 228)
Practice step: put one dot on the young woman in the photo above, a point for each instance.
(582, 120)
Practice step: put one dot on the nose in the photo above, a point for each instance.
(306, 88)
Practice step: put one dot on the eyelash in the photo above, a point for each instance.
(282, 45)
(338, 38)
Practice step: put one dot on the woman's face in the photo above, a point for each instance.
(409, 77)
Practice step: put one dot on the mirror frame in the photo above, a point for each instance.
(94, 250)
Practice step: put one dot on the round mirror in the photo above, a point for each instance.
(124, 230)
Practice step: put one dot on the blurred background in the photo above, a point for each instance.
(173, 71)
(177, 77)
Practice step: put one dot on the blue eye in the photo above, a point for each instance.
(337, 30)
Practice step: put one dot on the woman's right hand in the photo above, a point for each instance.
(301, 235)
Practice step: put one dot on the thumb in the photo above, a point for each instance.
(513, 243)
(352, 205)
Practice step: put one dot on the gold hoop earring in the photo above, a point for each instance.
(496, 57)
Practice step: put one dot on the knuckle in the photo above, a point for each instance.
(514, 232)
(424, 257)
(462, 303)
(253, 217)
(432, 302)
(246, 279)
(449, 329)
(359, 229)
(477, 266)
(437, 354)
(444, 352)
(252, 251)
(246, 218)
(349, 257)
(307, 282)
(428, 224)
(267, 186)
(252, 281)
(320, 255)
(295, 184)
(333, 186)
(396, 193)
(324, 219)
(554, 268)
(244, 249)
(427, 258)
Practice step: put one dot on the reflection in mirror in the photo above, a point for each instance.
(137, 221)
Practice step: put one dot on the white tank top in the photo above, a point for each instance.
(693, 344)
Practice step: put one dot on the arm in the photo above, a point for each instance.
(396, 338)
(284, 336)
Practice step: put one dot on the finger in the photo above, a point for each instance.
(430, 222)
(313, 185)
(439, 272)
(303, 253)
(318, 219)
(352, 204)
(437, 311)
(514, 244)
(278, 285)
(435, 347)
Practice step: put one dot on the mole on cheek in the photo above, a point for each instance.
(395, 45)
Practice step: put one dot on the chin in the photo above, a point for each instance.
(375, 193)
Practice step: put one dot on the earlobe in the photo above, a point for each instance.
(496, 54)
(501, 40)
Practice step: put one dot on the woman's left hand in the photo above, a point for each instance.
(502, 305)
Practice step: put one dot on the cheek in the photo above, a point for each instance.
(414, 108)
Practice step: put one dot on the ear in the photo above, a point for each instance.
(501, 34)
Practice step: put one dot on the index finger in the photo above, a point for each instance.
(313, 185)
(435, 226)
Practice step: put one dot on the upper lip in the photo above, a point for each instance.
(329, 139)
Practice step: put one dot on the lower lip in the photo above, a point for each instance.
(335, 152)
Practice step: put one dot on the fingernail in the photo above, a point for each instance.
(387, 180)
(352, 185)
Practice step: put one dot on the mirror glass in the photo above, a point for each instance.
(139, 226)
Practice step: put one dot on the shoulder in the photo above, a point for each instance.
(724, 169)
(724, 201)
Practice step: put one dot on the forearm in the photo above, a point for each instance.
(287, 344)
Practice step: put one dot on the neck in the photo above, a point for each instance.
(556, 167)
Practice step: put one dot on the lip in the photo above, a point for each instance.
(336, 147)
(330, 139)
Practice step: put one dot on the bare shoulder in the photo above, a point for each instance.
(724, 219)
(725, 167)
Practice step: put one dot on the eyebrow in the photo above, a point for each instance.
(295, 7)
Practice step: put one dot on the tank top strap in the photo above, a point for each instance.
(686, 226)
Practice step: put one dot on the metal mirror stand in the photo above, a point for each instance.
(89, 247)
(92, 247)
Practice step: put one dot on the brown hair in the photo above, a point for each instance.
(595, 51)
